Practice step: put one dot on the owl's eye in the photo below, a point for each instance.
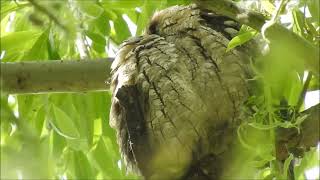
(153, 27)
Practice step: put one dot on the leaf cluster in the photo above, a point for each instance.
(281, 83)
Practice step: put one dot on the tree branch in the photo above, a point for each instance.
(55, 76)
(303, 49)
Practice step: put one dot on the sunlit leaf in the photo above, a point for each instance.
(21, 22)
(268, 6)
(126, 4)
(101, 24)
(96, 38)
(58, 143)
(63, 124)
(53, 53)
(33, 109)
(17, 43)
(89, 8)
(103, 157)
(121, 30)
(82, 168)
(299, 19)
(10, 6)
(39, 51)
(314, 8)
(314, 83)
(144, 17)
(241, 38)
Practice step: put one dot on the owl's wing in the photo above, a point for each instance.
(154, 108)
(127, 108)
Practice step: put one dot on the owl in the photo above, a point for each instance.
(177, 92)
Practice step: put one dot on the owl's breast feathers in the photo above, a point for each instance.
(176, 93)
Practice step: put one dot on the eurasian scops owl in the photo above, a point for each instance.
(177, 92)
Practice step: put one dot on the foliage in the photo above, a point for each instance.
(281, 87)
(68, 136)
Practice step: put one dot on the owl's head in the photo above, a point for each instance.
(174, 20)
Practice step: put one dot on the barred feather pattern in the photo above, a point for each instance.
(176, 94)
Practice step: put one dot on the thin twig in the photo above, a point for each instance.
(303, 92)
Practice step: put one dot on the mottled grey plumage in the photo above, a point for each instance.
(176, 93)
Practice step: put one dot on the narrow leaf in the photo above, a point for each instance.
(64, 124)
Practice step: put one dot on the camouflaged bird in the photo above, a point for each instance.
(176, 94)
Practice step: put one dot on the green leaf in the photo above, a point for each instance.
(132, 14)
(241, 38)
(21, 22)
(10, 6)
(104, 159)
(299, 22)
(6, 113)
(121, 30)
(101, 24)
(111, 14)
(33, 109)
(63, 124)
(286, 166)
(98, 47)
(314, 83)
(147, 10)
(264, 173)
(177, 2)
(311, 27)
(17, 43)
(90, 8)
(58, 144)
(96, 38)
(123, 4)
(82, 167)
(314, 8)
(98, 41)
(53, 53)
(39, 51)
(268, 6)
(83, 109)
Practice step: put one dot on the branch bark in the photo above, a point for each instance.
(55, 76)
(303, 49)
